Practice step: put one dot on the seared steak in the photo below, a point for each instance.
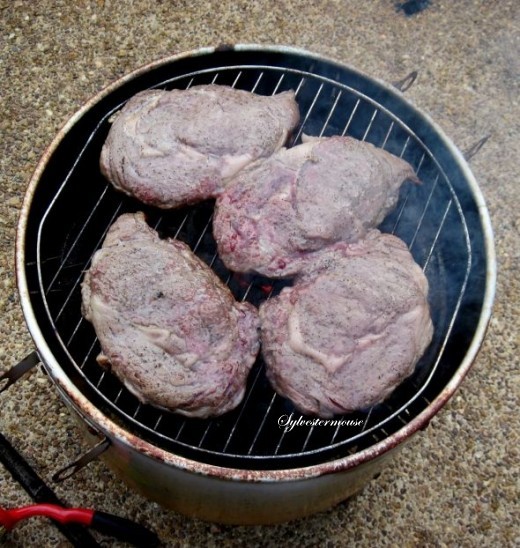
(350, 329)
(302, 199)
(168, 327)
(169, 148)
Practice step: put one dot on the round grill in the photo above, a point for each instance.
(73, 206)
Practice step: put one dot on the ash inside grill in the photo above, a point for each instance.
(74, 206)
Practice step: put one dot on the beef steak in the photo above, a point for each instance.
(300, 200)
(350, 329)
(169, 329)
(170, 148)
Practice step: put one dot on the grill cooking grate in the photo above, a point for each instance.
(76, 206)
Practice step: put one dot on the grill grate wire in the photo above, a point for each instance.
(252, 432)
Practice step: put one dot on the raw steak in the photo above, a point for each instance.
(169, 148)
(168, 327)
(350, 329)
(302, 199)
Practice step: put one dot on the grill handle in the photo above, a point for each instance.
(468, 154)
(18, 371)
(92, 454)
(407, 82)
(108, 524)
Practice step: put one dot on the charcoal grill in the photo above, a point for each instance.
(69, 207)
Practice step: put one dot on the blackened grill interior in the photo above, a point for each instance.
(74, 206)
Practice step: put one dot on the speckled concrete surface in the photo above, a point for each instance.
(456, 484)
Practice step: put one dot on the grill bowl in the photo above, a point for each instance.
(69, 206)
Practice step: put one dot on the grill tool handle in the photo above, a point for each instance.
(124, 529)
(108, 524)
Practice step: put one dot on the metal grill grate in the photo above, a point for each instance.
(72, 220)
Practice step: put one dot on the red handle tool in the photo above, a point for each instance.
(121, 528)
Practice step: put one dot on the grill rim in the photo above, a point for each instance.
(250, 459)
(93, 416)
